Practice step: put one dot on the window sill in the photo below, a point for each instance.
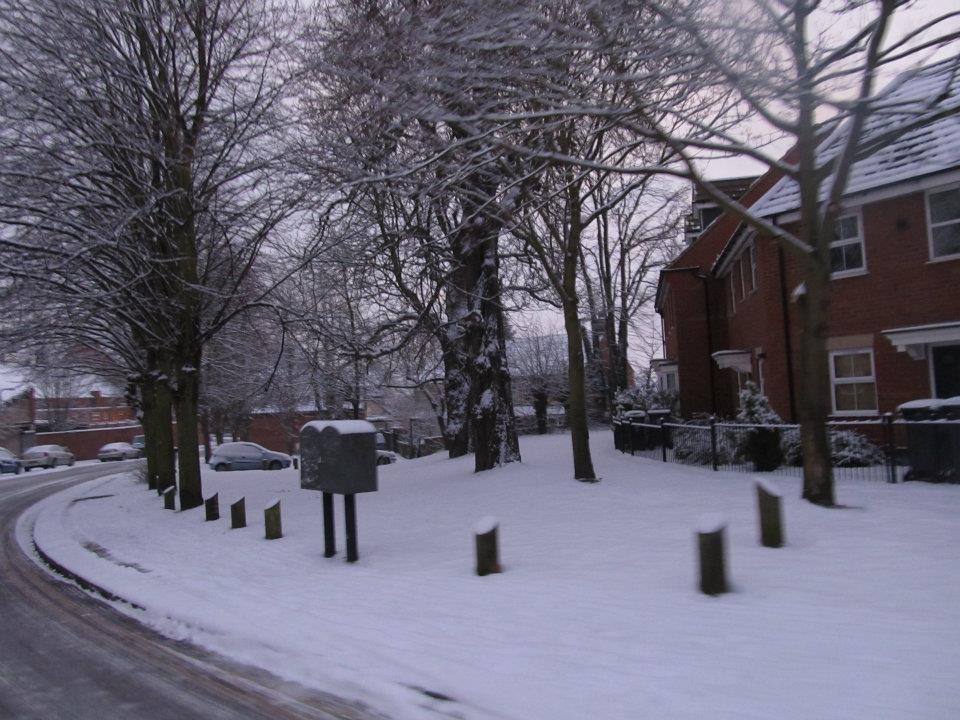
(945, 258)
(848, 274)
(847, 414)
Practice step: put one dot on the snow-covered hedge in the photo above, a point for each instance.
(847, 449)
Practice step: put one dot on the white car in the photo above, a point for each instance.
(47, 456)
(117, 451)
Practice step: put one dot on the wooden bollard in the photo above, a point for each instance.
(488, 553)
(170, 498)
(211, 507)
(271, 520)
(296, 462)
(769, 502)
(713, 574)
(238, 514)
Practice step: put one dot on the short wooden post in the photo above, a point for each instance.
(296, 462)
(769, 502)
(350, 522)
(212, 507)
(238, 514)
(170, 498)
(271, 520)
(713, 574)
(488, 552)
(329, 531)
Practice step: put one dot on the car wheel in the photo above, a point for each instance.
(382, 461)
(26, 469)
(274, 465)
(220, 467)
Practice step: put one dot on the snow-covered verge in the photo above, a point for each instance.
(596, 614)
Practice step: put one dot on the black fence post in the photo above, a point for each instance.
(663, 441)
(891, 447)
(713, 441)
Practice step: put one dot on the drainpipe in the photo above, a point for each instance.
(787, 344)
(706, 307)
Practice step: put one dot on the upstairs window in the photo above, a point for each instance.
(846, 250)
(853, 381)
(944, 208)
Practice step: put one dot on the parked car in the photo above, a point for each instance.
(384, 456)
(140, 443)
(47, 456)
(8, 462)
(246, 456)
(118, 451)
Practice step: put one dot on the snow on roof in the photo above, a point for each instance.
(344, 427)
(930, 149)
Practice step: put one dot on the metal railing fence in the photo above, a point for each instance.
(882, 449)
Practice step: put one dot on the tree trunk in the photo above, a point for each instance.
(577, 402)
(540, 412)
(490, 404)
(815, 400)
(205, 430)
(456, 380)
(158, 433)
(188, 455)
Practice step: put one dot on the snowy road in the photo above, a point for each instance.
(65, 654)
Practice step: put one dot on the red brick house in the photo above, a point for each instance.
(728, 302)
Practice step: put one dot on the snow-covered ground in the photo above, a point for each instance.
(596, 614)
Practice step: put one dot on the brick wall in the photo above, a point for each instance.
(85, 444)
(901, 287)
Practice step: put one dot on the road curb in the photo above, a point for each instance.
(80, 580)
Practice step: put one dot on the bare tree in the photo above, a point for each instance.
(142, 169)
(372, 88)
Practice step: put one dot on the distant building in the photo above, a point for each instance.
(704, 209)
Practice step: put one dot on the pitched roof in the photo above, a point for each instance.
(923, 151)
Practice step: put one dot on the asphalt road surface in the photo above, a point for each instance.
(65, 654)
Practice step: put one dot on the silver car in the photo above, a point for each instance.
(47, 456)
(117, 451)
(246, 456)
(384, 456)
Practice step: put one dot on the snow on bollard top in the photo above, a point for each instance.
(271, 503)
(711, 523)
(486, 524)
(769, 487)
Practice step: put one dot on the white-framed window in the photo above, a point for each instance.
(846, 250)
(668, 381)
(943, 214)
(853, 383)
